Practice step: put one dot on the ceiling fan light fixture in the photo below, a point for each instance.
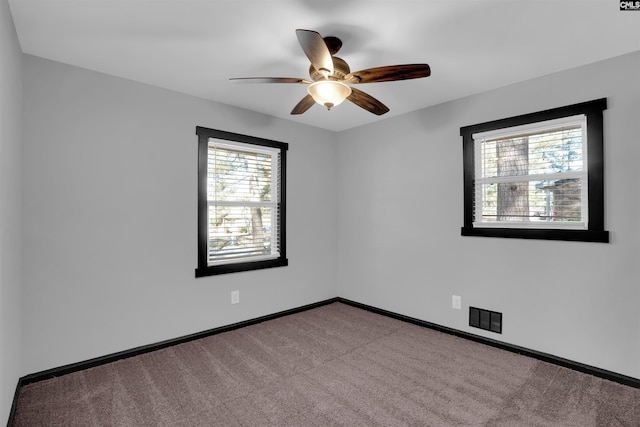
(331, 76)
(329, 92)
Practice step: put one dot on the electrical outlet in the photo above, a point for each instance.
(235, 297)
(456, 302)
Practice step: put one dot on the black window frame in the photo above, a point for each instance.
(595, 232)
(203, 268)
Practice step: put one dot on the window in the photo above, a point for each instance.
(241, 202)
(537, 176)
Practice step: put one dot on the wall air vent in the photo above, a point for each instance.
(485, 319)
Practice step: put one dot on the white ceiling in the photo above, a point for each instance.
(195, 46)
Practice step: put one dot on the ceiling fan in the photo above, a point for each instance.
(331, 76)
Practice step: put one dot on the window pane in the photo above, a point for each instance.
(239, 192)
(235, 175)
(555, 151)
(239, 232)
(532, 201)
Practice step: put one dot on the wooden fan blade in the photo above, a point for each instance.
(316, 50)
(303, 105)
(272, 80)
(389, 73)
(367, 102)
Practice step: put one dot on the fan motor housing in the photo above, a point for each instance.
(340, 69)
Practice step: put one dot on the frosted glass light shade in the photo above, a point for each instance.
(328, 92)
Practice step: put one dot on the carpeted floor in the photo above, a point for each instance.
(334, 365)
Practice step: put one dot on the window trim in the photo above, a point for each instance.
(203, 268)
(595, 231)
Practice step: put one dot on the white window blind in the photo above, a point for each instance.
(243, 202)
(532, 176)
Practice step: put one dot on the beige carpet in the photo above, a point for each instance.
(334, 365)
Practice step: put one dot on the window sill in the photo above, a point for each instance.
(241, 266)
(543, 234)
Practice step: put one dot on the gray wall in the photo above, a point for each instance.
(10, 204)
(109, 226)
(400, 214)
